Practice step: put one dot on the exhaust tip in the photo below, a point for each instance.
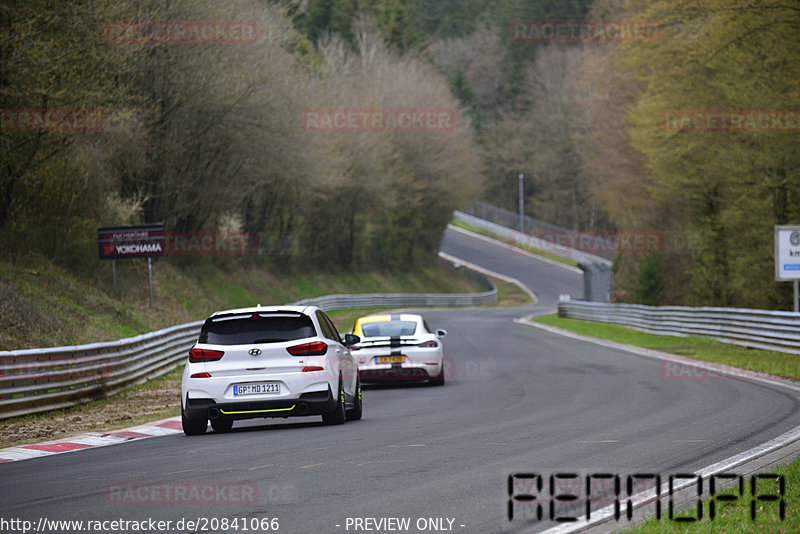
(302, 408)
(213, 413)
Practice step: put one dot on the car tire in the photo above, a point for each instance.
(193, 427)
(222, 424)
(437, 380)
(338, 415)
(355, 413)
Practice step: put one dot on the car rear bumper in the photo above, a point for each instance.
(394, 374)
(315, 403)
(418, 365)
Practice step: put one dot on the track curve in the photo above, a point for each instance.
(517, 399)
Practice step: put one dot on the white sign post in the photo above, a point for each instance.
(521, 212)
(787, 258)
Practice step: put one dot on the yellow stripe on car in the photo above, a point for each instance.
(260, 411)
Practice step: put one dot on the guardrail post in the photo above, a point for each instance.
(598, 282)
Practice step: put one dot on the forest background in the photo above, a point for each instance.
(210, 137)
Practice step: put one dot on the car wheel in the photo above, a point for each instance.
(355, 413)
(193, 427)
(338, 416)
(437, 380)
(222, 424)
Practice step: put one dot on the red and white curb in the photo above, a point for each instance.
(164, 427)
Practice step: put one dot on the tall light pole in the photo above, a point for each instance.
(521, 220)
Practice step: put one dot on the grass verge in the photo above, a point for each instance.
(42, 305)
(732, 516)
(532, 250)
(735, 515)
(709, 350)
(510, 294)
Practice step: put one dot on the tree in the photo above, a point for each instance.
(729, 188)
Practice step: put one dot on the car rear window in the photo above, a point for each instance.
(252, 328)
(389, 328)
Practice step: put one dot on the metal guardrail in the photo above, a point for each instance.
(37, 380)
(598, 279)
(338, 302)
(763, 329)
(517, 237)
(549, 233)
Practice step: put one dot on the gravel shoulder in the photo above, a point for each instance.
(155, 399)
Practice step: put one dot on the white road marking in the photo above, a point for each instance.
(311, 465)
(647, 497)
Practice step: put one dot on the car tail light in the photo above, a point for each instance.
(204, 355)
(201, 375)
(311, 368)
(429, 345)
(315, 348)
(354, 347)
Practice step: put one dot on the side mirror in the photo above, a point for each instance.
(441, 332)
(351, 339)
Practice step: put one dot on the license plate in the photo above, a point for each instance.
(391, 359)
(257, 389)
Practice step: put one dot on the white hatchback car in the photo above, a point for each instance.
(398, 347)
(276, 361)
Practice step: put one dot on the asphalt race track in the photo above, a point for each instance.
(517, 399)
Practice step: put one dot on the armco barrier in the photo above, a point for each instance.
(38, 380)
(513, 236)
(763, 329)
(338, 302)
(598, 279)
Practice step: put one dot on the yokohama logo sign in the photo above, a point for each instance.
(119, 242)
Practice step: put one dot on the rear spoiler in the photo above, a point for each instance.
(291, 313)
(387, 341)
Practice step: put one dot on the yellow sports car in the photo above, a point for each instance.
(398, 347)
